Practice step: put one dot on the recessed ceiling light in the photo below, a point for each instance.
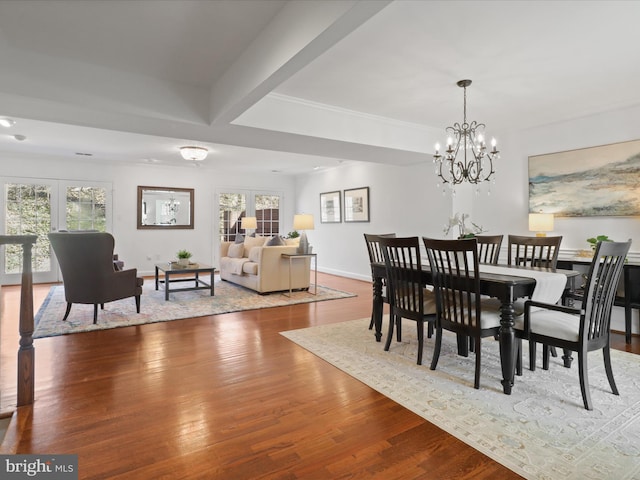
(19, 137)
(84, 154)
(7, 122)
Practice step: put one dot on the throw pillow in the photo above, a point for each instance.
(254, 255)
(239, 239)
(252, 242)
(275, 241)
(236, 250)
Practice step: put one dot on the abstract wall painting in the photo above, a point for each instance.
(595, 181)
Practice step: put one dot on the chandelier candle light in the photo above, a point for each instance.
(476, 164)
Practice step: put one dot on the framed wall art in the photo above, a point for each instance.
(356, 205)
(594, 181)
(330, 208)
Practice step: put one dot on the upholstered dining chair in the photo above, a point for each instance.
(376, 256)
(533, 251)
(408, 297)
(583, 329)
(489, 248)
(454, 267)
(88, 273)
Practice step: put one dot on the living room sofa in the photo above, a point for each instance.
(261, 267)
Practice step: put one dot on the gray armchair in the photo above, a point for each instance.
(88, 274)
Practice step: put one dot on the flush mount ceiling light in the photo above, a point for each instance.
(194, 153)
(7, 122)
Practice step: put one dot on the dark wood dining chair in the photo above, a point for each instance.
(376, 256)
(533, 251)
(584, 329)
(454, 267)
(408, 297)
(489, 248)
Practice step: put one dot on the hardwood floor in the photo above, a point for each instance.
(224, 397)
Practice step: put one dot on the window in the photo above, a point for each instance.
(232, 206)
(86, 208)
(268, 214)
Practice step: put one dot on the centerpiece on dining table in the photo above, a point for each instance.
(464, 231)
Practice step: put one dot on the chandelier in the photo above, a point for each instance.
(193, 153)
(466, 158)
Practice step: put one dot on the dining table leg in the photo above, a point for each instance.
(508, 348)
(378, 307)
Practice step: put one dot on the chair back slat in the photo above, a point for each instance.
(489, 248)
(600, 289)
(533, 251)
(404, 275)
(373, 246)
(454, 264)
(375, 255)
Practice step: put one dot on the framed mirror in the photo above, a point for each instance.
(165, 208)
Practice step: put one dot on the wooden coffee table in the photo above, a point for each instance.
(181, 274)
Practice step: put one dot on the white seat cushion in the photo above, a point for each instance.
(555, 324)
(489, 316)
(429, 302)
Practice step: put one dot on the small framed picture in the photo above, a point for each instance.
(356, 205)
(330, 207)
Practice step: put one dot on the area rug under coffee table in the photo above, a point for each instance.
(228, 297)
(540, 431)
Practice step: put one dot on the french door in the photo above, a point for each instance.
(38, 206)
(234, 204)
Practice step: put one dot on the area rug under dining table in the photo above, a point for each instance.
(540, 431)
(228, 297)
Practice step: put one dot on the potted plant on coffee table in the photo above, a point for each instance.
(183, 257)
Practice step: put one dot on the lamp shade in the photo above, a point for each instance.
(194, 153)
(249, 222)
(303, 221)
(541, 222)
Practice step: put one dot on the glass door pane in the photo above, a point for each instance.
(29, 209)
(231, 207)
(267, 208)
(86, 208)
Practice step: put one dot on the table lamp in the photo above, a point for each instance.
(541, 223)
(303, 221)
(249, 223)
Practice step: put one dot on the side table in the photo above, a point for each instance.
(314, 257)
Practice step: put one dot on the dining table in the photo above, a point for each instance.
(510, 284)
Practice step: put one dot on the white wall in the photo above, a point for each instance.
(507, 208)
(401, 200)
(405, 200)
(143, 248)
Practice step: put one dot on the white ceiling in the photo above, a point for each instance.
(131, 81)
